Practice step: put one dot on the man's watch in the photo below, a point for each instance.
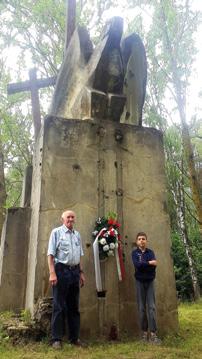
(81, 271)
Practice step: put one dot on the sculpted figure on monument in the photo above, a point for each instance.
(108, 82)
(135, 69)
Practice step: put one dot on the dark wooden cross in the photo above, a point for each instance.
(33, 84)
(70, 21)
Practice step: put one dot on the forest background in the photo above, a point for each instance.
(33, 35)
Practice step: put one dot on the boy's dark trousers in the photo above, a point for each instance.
(66, 302)
(146, 304)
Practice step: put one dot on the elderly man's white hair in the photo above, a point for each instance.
(67, 211)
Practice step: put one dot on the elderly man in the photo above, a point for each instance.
(66, 277)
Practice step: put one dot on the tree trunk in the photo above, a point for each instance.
(70, 21)
(180, 101)
(180, 206)
(2, 189)
(194, 182)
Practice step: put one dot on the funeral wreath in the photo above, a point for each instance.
(107, 232)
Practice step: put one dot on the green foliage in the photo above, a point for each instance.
(111, 215)
(181, 269)
(26, 316)
(5, 317)
(196, 246)
(38, 28)
(17, 144)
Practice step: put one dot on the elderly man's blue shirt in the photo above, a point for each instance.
(65, 246)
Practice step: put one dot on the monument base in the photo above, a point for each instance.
(93, 168)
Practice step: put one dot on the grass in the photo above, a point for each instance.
(186, 344)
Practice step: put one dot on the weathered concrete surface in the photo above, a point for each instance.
(95, 167)
(135, 63)
(34, 224)
(72, 77)
(13, 259)
(27, 187)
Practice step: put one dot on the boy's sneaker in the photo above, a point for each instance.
(154, 339)
(57, 344)
(144, 338)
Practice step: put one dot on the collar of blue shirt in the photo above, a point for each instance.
(65, 229)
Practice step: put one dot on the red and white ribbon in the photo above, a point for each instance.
(119, 262)
(98, 278)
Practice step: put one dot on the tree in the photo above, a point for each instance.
(181, 207)
(180, 82)
(2, 188)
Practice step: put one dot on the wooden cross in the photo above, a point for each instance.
(70, 21)
(33, 85)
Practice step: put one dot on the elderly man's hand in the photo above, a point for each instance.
(53, 278)
(82, 279)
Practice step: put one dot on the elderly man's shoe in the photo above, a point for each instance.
(57, 345)
(144, 338)
(78, 343)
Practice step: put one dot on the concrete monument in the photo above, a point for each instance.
(93, 156)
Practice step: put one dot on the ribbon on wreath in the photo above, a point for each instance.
(98, 278)
(119, 262)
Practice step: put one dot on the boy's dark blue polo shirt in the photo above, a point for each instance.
(143, 271)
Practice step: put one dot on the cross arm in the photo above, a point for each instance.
(26, 85)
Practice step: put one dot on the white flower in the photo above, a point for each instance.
(106, 248)
(110, 253)
(106, 234)
(95, 233)
(112, 246)
(103, 241)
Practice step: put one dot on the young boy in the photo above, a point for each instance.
(145, 270)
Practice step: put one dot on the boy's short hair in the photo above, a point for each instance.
(141, 234)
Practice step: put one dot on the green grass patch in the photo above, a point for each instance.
(186, 344)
